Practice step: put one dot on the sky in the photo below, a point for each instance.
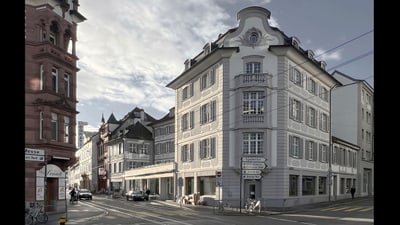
(129, 50)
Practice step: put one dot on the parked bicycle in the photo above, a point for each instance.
(35, 214)
(251, 205)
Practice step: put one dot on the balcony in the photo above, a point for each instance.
(49, 50)
(252, 79)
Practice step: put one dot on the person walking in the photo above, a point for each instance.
(352, 191)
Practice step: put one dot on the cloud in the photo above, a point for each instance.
(129, 54)
(323, 55)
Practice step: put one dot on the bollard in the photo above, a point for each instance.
(62, 221)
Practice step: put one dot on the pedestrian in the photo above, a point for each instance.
(352, 191)
(73, 194)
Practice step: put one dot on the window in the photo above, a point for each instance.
(54, 72)
(323, 150)
(54, 127)
(187, 91)
(207, 148)
(41, 77)
(295, 76)
(324, 122)
(207, 185)
(311, 150)
(308, 185)
(252, 143)
(324, 94)
(67, 84)
(253, 102)
(132, 148)
(295, 110)
(207, 80)
(184, 122)
(295, 147)
(53, 33)
(311, 119)
(322, 185)
(66, 130)
(293, 185)
(208, 112)
(312, 86)
(187, 153)
(40, 125)
(253, 67)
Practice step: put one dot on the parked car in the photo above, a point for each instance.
(137, 196)
(85, 194)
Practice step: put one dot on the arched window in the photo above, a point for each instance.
(53, 36)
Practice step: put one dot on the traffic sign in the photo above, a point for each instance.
(256, 165)
(251, 177)
(251, 171)
(218, 173)
(253, 159)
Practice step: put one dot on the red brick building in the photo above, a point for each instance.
(50, 98)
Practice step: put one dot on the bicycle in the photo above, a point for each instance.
(251, 205)
(35, 213)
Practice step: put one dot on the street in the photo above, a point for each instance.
(103, 210)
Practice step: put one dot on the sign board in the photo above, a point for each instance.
(251, 177)
(32, 151)
(256, 166)
(253, 159)
(251, 171)
(39, 158)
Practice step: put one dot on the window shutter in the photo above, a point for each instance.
(301, 148)
(213, 147)
(320, 153)
(191, 152)
(308, 150)
(301, 112)
(291, 108)
(315, 148)
(291, 72)
(291, 153)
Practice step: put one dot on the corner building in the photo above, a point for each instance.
(250, 95)
(50, 99)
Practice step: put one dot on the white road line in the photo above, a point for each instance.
(331, 217)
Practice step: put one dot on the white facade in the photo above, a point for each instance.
(353, 121)
(239, 98)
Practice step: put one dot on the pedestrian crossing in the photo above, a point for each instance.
(348, 209)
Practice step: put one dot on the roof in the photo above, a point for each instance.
(138, 131)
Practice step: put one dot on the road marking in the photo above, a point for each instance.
(332, 217)
(353, 209)
(341, 208)
(366, 209)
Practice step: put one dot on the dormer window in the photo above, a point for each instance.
(322, 64)
(295, 42)
(310, 54)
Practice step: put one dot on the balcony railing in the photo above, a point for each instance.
(251, 79)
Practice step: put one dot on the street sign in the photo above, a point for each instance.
(253, 159)
(218, 178)
(32, 154)
(256, 166)
(251, 171)
(251, 177)
(33, 151)
(34, 157)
